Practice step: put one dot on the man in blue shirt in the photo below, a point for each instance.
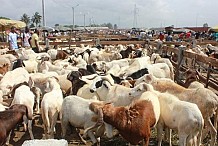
(12, 38)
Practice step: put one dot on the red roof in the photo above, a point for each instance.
(200, 29)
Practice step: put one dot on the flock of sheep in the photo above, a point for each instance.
(99, 89)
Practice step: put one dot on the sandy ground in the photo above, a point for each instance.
(19, 136)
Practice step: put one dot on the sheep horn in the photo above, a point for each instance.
(107, 79)
(92, 77)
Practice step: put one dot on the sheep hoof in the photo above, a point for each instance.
(96, 144)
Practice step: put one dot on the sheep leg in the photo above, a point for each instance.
(182, 139)
(81, 138)
(45, 123)
(37, 105)
(97, 124)
(30, 129)
(8, 138)
(169, 133)
(216, 119)
(148, 134)
(159, 132)
(92, 137)
(53, 123)
(213, 131)
(199, 137)
(64, 127)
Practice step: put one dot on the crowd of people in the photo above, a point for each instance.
(28, 39)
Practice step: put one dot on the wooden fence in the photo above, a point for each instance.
(210, 62)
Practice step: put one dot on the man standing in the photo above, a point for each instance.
(12, 38)
(25, 38)
(34, 42)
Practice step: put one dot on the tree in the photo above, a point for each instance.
(109, 25)
(36, 18)
(56, 25)
(115, 26)
(4, 18)
(25, 18)
(32, 25)
(205, 25)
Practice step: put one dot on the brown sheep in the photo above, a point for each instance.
(133, 122)
(10, 118)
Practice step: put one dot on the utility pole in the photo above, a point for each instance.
(84, 20)
(43, 13)
(74, 14)
(119, 22)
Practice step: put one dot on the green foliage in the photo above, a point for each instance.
(4, 18)
(32, 25)
(25, 18)
(109, 25)
(36, 18)
(115, 26)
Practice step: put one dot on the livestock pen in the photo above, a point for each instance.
(208, 76)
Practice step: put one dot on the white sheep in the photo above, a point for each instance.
(12, 78)
(23, 95)
(51, 106)
(157, 59)
(205, 100)
(75, 111)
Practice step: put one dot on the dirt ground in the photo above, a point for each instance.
(19, 136)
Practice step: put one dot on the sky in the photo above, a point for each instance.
(147, 13)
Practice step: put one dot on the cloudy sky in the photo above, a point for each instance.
(149, 13)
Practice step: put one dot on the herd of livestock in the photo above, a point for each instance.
(100, 88)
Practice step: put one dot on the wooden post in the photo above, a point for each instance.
(208, 75)
(180, 59)
(47, 43)
(97, 42)
(70, 38)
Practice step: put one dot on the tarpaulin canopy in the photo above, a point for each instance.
(215, 28)
(7, 24)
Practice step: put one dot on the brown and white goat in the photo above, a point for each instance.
(133, 122)
(10, 118)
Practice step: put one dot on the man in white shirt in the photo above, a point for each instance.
(26, 38)
(12, 38)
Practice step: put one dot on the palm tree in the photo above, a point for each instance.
(36, 18)
(25, 18)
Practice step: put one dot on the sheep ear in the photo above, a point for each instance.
(9, 87)
(149, 78)
(23, 64)
(80, 75)
(56, 78)
(31, 82)
(145, 87)
(39, 58)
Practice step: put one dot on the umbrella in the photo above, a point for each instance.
(62, 28)
(215, 28)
